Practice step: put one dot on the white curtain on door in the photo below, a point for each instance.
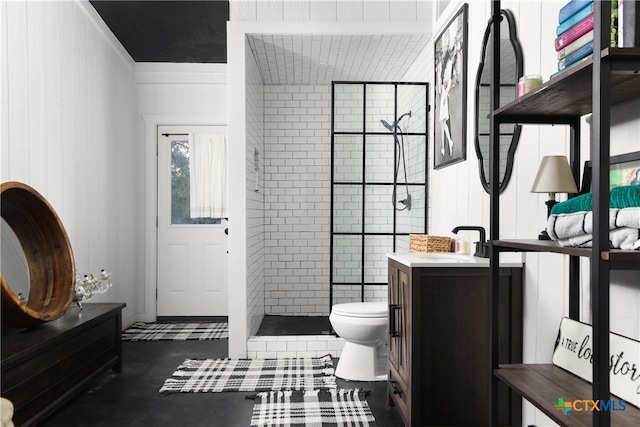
(208, 183)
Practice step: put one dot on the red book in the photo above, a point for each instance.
(574, 32)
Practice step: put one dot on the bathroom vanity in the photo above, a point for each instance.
(438, 371)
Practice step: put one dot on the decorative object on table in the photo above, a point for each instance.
(219, 375)
(450, 142)
(428, 243)
(554, 176)
(89, 285)
(47, 255)
(179, 331)
(529, 83)
(511, 69)
(318, 408)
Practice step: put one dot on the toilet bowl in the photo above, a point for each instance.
(363, 326)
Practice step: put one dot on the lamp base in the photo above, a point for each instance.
(544, 235)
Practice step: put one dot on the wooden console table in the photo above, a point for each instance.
(45, 366)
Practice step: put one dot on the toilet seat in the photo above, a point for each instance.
(362, 309)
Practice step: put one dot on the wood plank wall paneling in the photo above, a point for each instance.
(68, 130)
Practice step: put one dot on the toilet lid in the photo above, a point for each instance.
(361, 309)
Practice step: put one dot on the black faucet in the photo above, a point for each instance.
(482, 249)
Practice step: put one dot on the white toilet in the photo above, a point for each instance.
(363, 325)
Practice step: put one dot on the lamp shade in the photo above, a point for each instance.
(554, 176)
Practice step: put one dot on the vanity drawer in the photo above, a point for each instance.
(399, 392)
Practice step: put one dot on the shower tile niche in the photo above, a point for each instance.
(372, 170)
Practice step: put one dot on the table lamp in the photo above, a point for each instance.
(554, 176)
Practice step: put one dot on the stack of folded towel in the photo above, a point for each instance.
(571, 222)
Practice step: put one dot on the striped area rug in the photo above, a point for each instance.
(312, 408)
(219, 375)
(176, 331)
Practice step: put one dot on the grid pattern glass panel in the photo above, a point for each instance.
(343, 294)
(377, 202)
(347, 107)
(412, 221)
(376, 293)
(347, 259)
(375, 258)
(379, 158)
(380, 106)
(347, 158)
(347, 209)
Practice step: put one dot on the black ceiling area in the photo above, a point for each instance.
(169, 31)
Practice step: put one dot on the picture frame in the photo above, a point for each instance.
(450, 92)
(624, 169)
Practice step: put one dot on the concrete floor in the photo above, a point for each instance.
(131, 398)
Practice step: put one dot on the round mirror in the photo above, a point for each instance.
(42, 240)
(511, 66)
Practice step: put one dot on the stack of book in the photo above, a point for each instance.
(574, 41)
(574, 33)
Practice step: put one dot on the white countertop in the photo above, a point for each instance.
(450, 259)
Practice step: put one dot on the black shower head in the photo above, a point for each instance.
(395, 124)
(387, 125)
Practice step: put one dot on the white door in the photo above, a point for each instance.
(192, 253)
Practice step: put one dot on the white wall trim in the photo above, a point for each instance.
(100, 25)
(174, 73)
(151, 123)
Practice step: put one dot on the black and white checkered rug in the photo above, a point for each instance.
(175, 331)
(218, 375)
(312, 408)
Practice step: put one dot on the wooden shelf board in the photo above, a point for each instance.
(569, 93)
(543, 384)
(621, 260)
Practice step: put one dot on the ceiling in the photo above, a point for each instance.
(195, 32)
(319, 59)
(169, 31)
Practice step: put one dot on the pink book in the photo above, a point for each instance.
(574, 32)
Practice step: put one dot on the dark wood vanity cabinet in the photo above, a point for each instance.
(439, 344)
(45, 366)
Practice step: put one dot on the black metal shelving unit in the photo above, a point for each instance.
(612, 76)
(363, 184)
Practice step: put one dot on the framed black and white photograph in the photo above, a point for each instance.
(450, 115)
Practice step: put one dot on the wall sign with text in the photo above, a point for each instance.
(574, 352)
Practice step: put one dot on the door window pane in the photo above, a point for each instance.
(180, 188)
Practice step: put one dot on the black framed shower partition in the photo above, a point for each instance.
(367, 172)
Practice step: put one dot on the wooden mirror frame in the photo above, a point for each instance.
(49, 258)
(519, 66)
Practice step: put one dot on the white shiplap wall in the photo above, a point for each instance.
(68, 130)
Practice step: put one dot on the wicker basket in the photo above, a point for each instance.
(427, 243)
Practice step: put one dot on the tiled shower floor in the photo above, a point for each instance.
(294, 325)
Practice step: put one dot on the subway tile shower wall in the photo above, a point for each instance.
(297, 191)
(297, 176)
